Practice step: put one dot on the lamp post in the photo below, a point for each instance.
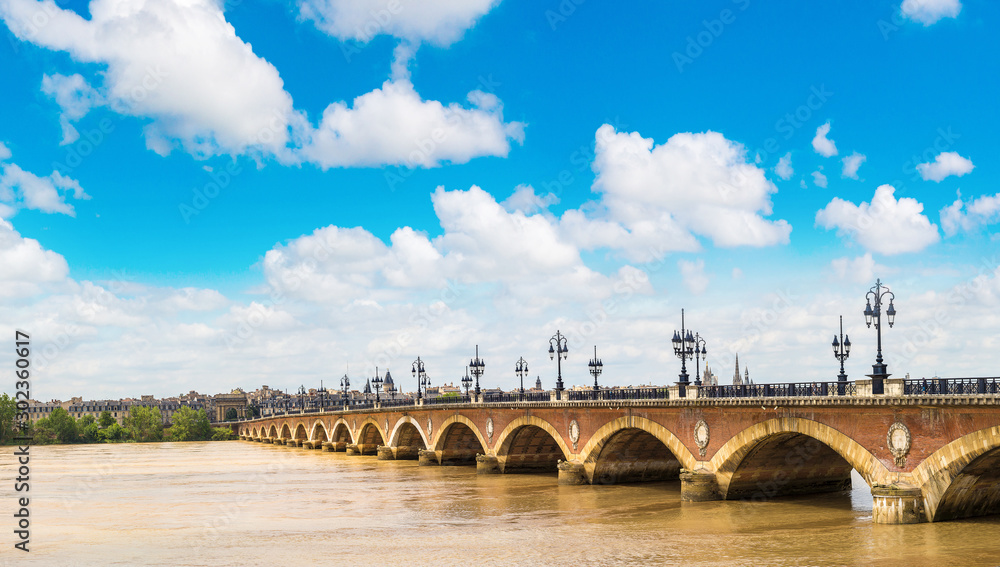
(684, 349)
(841, 350)
(478, 367)
(420, 374)
(699, 343)
(873, 314)
(558, 349)
(322, 396)
(345, 383)
(302, 394)
(467, 381)
(378, 384)
(596, 367)
(521, 369)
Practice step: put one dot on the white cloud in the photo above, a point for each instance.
(945, 164)
(525, 199)
(657, 198)
(929, 12)
(23, 189)
(819, 179)
(75, 98)
(784, 167)
(441, 22)
(886, 226)
(851, 165)
(26, 265)
(180, 64)
(392, 125)
(693, 274)
(966, 216)
(858, 270)
(4, 152)
(737, 274)
(823, 145)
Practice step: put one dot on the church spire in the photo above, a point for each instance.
(737, 379)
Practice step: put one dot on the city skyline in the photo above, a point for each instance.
(204, 195)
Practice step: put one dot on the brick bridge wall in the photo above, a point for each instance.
(947, 447)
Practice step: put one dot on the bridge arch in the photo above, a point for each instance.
(341, 432)
(369, 433)
(790, 455)
(300, 432)
(962, 479)
(273, 432)
(630, 449)
(407, 433)
(318, 432)
(459, 441)
(530, 443)
(286, 432)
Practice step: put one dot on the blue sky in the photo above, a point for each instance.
(198, 195)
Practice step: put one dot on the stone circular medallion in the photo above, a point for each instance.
(574, 432)
(489, 428)
(701, 436)
(430, 427)
(898, 440)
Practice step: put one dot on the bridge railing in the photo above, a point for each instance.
(397, 403)
(790, 389)
(447, 400)
(954, 386)
(619, 394)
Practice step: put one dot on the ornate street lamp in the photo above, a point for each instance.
(302, 393)
(345, 383)
(322, 396)
(378, 384)
(521, 369)
(841, 350)
(478, 367)
(558, 349)
(596, 367)
(467, 381)
(684, 349)
(873, 314)
(421, 375)
(699, 343)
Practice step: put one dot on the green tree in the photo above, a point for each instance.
(8, 411)
(113, 433)
(42, 432)
(182, 426)
(231, 414)
(222, 434)
(144, 424)
(252, 412)
(85, 421)
(91, 433)
(202, 427)
(64, 426)
(106, 420)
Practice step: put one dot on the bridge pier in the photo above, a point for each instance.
(386, 454)
(487, 464)
(699, 486)
(572, 473)
(898, 503)
(352, 449)
(428, 457)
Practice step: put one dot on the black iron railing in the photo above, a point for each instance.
(397, 403)
(636, 394)
(791, 389)
(953, 386)
(447, 400)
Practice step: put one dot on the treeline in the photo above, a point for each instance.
(141, 425)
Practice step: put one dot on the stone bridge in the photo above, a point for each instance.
(927, 458)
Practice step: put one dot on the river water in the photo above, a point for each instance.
(238, 503)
